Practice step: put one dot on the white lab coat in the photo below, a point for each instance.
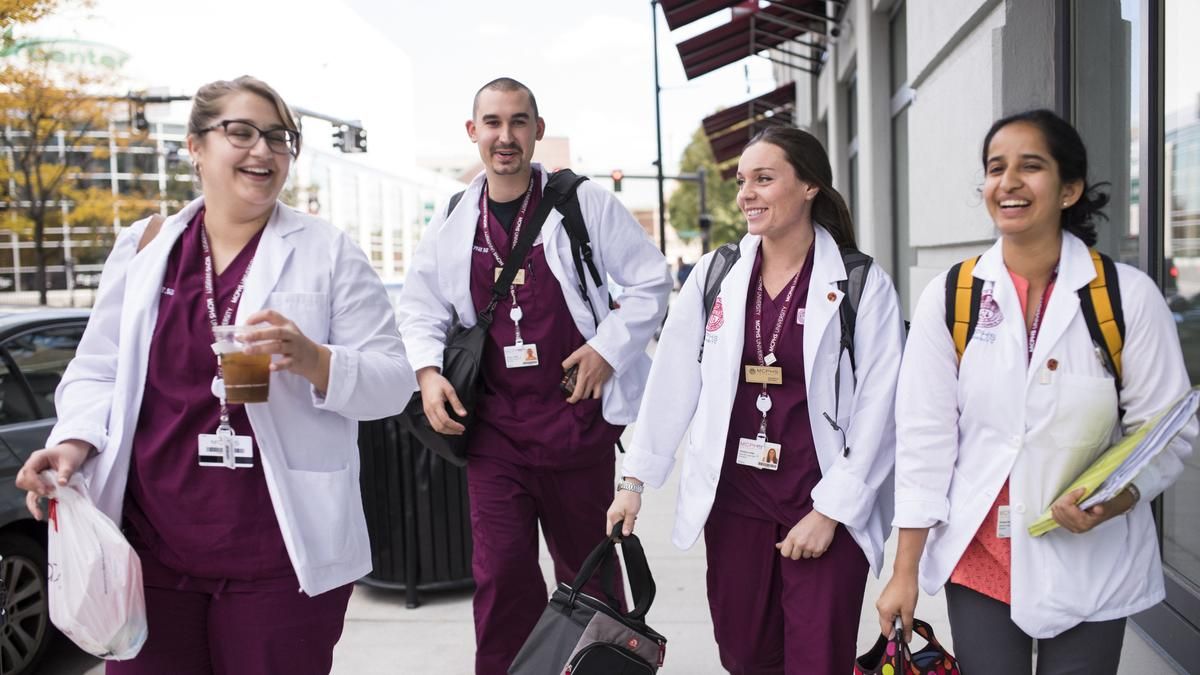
(855, 490)
(438, 288)
(963, 431)
(314, 275)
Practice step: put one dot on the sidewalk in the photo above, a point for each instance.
(382, 637)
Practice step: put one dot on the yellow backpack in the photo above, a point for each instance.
(1100, 302)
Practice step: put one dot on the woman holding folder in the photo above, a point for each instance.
(1005, 398)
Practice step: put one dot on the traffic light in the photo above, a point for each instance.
(339, 137)
(617, 175)
(349, 138)
(360, 140)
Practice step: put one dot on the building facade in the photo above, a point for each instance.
(902, 93)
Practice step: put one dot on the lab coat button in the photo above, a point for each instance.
(1019, 508)
(1015, 441)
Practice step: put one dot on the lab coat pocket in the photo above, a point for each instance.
(1085, 411)
(320, 513)
(309, 311)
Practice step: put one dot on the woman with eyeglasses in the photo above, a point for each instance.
(232, 507)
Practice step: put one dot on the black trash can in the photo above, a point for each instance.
(417, 513)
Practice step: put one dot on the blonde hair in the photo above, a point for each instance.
(207, 103)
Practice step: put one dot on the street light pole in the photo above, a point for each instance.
(662, 202)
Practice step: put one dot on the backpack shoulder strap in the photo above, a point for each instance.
(564, 184)
(454, 200)
(857, 265)
(151, 231)
(719, 265)
(963, 295)
(1100, 302)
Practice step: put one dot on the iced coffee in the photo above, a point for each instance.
(247, 377)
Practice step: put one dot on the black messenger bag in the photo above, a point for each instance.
(463, 357)
(581, 635)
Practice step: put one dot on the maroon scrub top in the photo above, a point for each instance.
(203, 522)
(522, 416)
(782, 496)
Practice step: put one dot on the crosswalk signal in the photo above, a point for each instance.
(617, 175)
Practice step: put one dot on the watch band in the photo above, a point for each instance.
(631, 486)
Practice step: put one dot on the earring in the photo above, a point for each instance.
(1064, 205)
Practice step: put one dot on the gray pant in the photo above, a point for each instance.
(987, 642)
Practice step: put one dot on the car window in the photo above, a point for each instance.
(42, 356)
(15, 405)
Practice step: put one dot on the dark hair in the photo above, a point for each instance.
(504, 84)
(808, 157)
(1069, 152)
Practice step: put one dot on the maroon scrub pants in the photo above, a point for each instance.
(776, 616)
(238, 632)
(507, 502)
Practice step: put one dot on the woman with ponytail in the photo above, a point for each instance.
(789, 460)
(996, 421)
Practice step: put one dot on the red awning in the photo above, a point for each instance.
(770, 27)
(731, 129)
(682, 12)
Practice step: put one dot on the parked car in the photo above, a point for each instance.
(35, 348)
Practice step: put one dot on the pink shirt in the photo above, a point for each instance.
(985, 567)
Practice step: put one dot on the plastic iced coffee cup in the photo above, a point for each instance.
(247, 376)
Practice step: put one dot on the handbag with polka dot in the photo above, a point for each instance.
(894, 657)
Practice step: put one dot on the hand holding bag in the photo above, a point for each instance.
(463, 358)
(94, 576)
(581, 635)
(893, 656)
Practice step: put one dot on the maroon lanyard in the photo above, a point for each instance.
(210, 301)
(516, 230)
(1037, 315)
(783, 314)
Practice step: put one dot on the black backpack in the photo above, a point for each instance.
(565, 184)
(857, 265)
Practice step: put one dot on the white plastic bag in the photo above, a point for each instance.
(95, 577)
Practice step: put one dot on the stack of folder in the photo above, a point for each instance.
(1120, 464)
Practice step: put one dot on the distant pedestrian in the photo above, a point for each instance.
(682, 270)
(247, 517)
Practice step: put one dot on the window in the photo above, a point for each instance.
(15, 405)
(42, 356)
(1181, 259)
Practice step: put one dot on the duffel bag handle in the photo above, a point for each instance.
(641, 582)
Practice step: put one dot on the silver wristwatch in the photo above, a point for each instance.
(631, 486)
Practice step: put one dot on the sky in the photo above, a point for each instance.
(409, 69)
(590, 64)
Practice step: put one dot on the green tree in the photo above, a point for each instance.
(721, 195)
(46, 117)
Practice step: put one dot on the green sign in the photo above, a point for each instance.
(68, 51)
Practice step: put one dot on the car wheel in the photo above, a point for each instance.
(27, 631)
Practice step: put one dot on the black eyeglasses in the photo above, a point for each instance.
(242, 134)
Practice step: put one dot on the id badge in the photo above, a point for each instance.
(764, 374)
(520, 356)
(758, 453)
(1004, 522)
(518, 280)
(227, 450)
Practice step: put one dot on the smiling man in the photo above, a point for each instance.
(562, 372)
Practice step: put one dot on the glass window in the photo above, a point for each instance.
(1181, 252)
(15, 405)
(852, 145)
(42, 356)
